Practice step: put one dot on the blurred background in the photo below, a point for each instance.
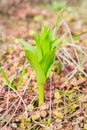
(20, 18)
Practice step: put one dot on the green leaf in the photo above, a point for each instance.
(59, 66)
(53, 34)
(59, 19)
(32, 58)
(6, 78)
(76, 37)
(58, 41)
(45, 31)
(47, 62)
(45, 45)
(21, 76)
(38, 45)
(46, 40)
(57, 5)
(27, 45)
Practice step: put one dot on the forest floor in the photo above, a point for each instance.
(65, 106)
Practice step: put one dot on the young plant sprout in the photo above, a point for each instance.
(42, 56)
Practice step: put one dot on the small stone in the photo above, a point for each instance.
(58, 120)
(14, 125)
(58, 114)
(30, 107)
(57, 94)
(43, 106)
(43, 113)
(73, 81)
(81, 80)
(60, 126)
(35, 115)
(55, 77)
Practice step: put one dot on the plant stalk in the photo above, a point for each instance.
(41, 93)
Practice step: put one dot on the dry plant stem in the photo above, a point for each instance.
(9, 109)
(8, 93)
(66, 56)
(38, 123)
(21, 100)
(65, 110)
(17, 99)
(73, 61)
(15, 60)
(12, 115)
(8, 98)
(25, 87)
(18, 103)
(65, 59)
(14, 91)
(50, 96)
(68, 30)
(79, 48)
(18, 72)
(72, 40)
(9, 89)
(33, 99)
(70, 75)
